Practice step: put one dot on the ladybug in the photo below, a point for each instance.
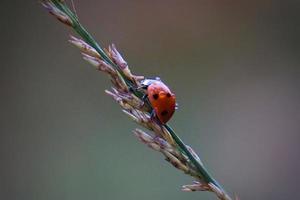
(161, 99)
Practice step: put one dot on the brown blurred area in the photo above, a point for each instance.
(234, 66)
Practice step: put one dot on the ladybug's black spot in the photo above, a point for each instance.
(163, 113)
(155, 96)
(168, 95)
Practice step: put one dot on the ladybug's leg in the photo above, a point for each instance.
(144, 98)
(153, 116)
(143, 87)
(131, 89)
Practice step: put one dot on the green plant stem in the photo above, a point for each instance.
(203, 171)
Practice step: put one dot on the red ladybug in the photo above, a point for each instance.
(161, 99)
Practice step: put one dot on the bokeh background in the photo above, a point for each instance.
(234, 66)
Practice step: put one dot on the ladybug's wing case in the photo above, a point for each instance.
(162, 101)
(165, 112)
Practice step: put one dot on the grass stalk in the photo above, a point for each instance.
(125, 92)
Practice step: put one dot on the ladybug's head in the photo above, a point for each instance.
(148, 81)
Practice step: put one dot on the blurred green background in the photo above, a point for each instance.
(234, 66)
